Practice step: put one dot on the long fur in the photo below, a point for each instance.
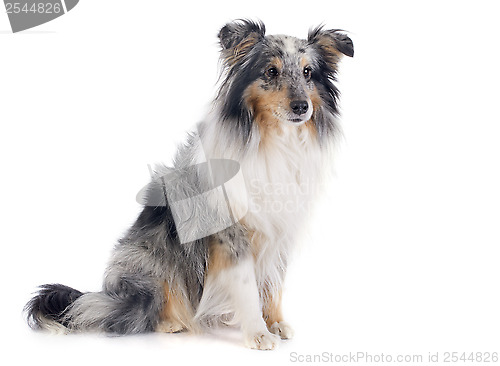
(153, 280)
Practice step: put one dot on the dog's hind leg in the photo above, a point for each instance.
(177, 314)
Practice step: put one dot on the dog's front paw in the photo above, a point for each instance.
(282, 329)
(262, 340)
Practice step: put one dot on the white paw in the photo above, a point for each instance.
(262, 340)
(169, 326)
(282, 329)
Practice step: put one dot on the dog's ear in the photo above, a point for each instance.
(238, 37)
(331, 43)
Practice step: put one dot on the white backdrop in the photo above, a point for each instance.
(402, 256)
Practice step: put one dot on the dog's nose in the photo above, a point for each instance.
(299, 106)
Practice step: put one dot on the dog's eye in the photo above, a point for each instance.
(272, 72)
(307, 72)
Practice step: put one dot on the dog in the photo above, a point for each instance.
(276, 115)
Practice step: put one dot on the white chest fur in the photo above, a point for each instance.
(282, 175)
(282, 179)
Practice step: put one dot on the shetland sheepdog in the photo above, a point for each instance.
(275, 114)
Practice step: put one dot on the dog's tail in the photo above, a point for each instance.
(63, 309)
(47, 310)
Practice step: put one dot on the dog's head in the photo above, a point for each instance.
(279, 79)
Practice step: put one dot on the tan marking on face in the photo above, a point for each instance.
(304, 62)
(276, 62)
(264, 105)
(316, 103)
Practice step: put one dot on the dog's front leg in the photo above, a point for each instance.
(244, 294)
(231, 285)
(273, 315)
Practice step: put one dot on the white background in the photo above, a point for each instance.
(402, 257)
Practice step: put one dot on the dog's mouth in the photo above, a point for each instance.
(299, 119)
(296, 120)
(289, 117)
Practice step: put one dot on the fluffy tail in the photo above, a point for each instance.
(47, 310)
(133, 309)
